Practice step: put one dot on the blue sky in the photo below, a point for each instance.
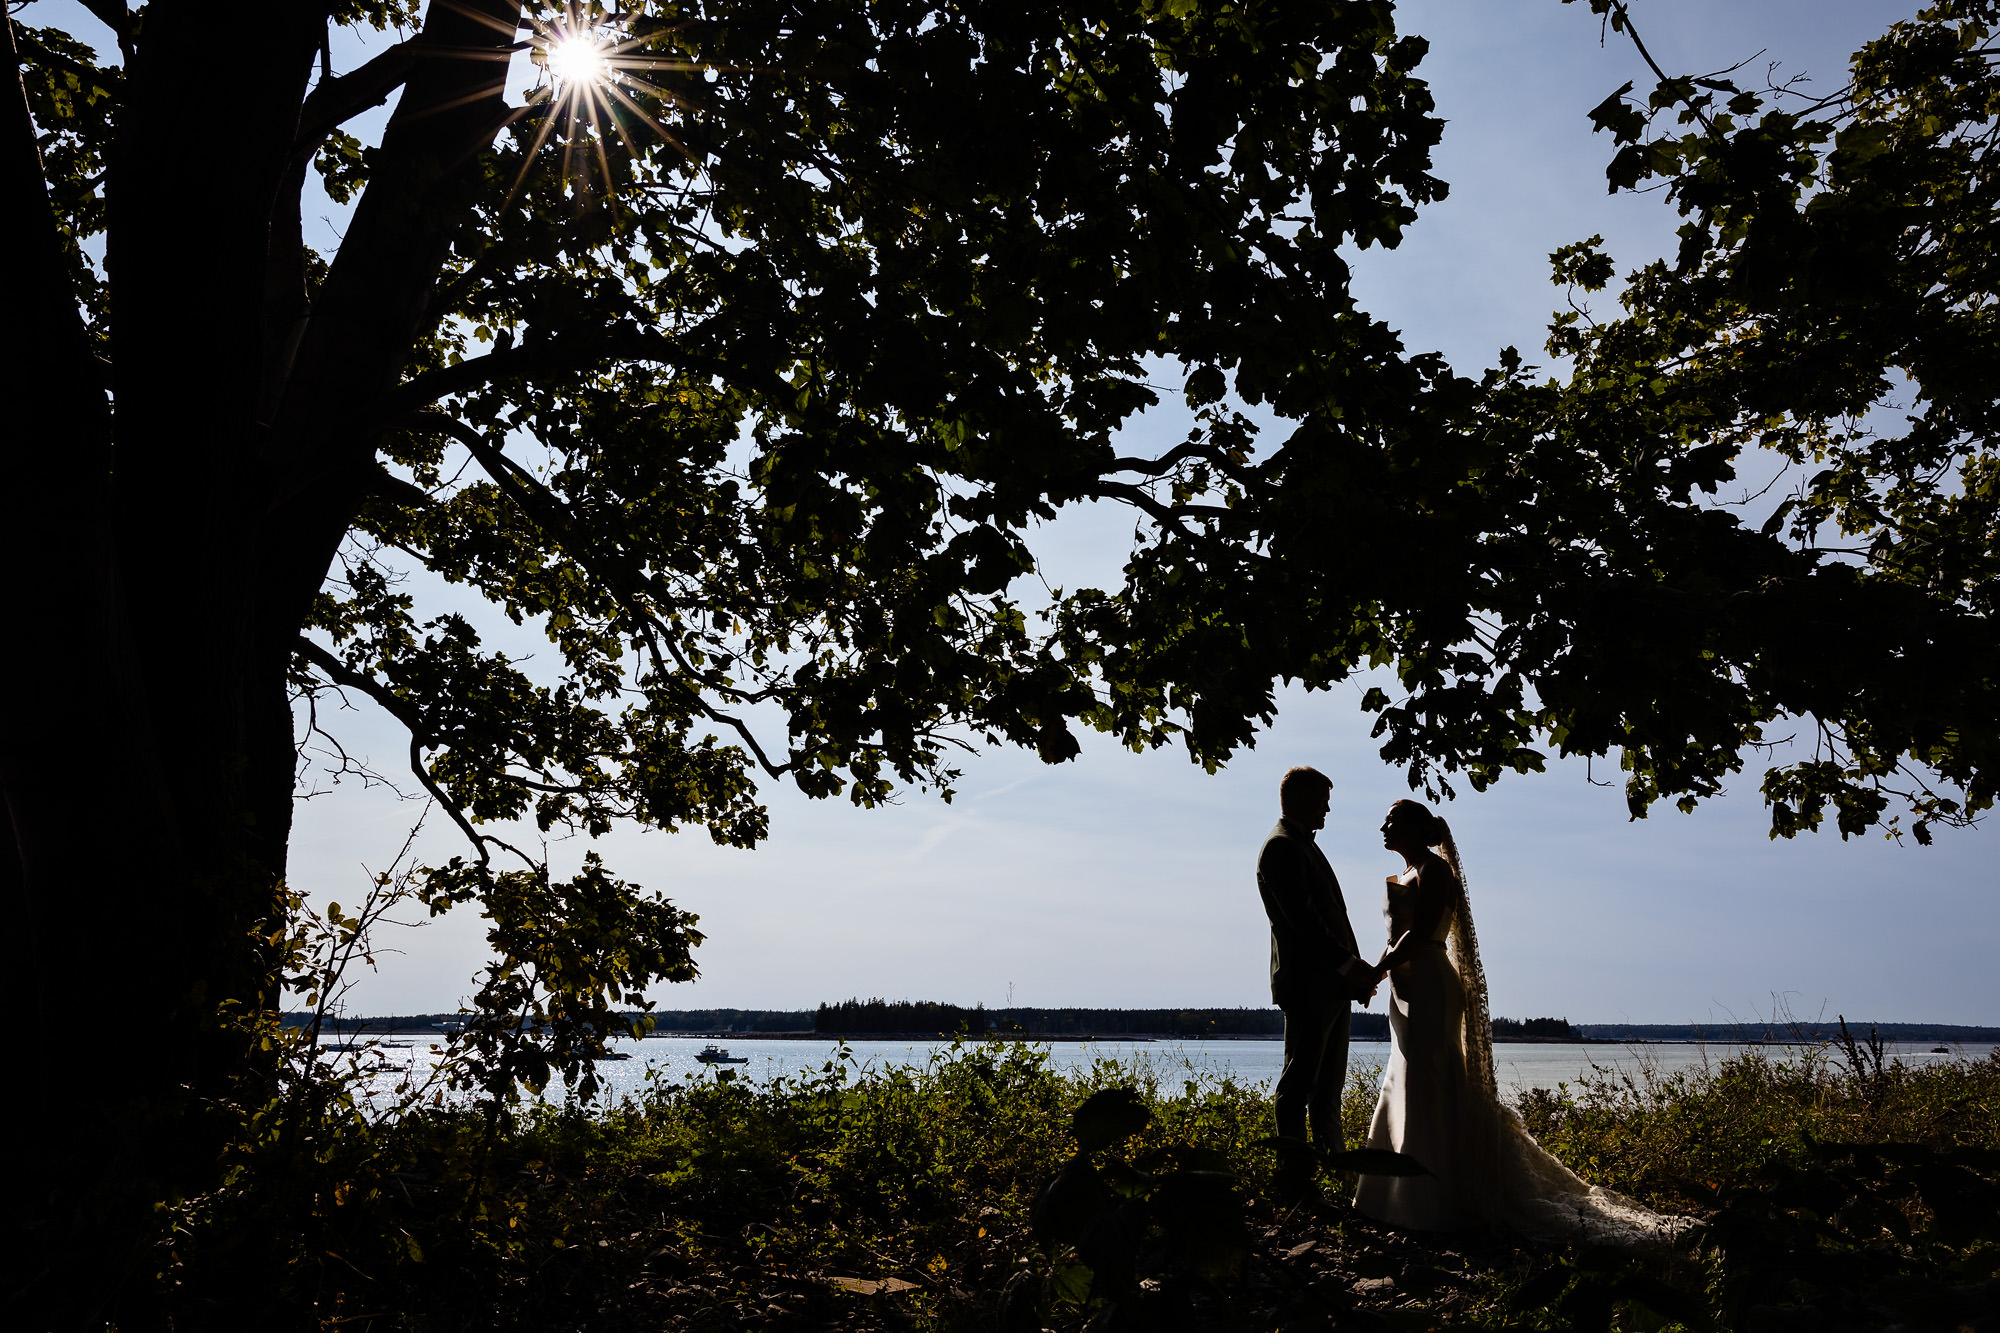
(1128, 880)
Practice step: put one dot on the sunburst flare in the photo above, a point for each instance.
(593, 63)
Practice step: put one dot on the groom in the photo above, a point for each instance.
(1317, 972)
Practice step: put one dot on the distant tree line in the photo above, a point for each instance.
(380, 1023)
(664, 1020)
(732, 1020)
(1533, 1027)
(1175, 1022)
(932, 1019)
(1806, 1030)
(924, 1016)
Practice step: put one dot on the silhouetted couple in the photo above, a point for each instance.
(1439, 1102)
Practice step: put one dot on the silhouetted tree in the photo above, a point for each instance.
(1827, 320)
(748, 382)
(916, 259)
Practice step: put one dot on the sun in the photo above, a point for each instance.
(579, 60)
(595, 64)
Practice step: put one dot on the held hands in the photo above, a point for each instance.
(1367, 979)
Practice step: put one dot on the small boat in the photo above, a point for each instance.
(1940, 1050)
(715, 1055)
(616, 1055)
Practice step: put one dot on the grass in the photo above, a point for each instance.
(1676, 1139)
(906, 1199)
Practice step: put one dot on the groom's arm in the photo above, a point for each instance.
(1361, 976)
(1291, 902)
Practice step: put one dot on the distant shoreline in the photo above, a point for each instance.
(1141, 1038)
(1232, 1036)
(1952, 1034)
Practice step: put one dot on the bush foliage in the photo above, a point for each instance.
(908, 1198)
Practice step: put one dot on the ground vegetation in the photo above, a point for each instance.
(920, 1199)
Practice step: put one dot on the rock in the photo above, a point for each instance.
(865, 1286)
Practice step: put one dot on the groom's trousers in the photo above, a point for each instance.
(1315, 1072)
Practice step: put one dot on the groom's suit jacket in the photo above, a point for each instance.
(1311, 938)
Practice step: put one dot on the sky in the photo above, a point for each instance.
(1127, 880)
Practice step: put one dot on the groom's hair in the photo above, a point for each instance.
(1300, 784)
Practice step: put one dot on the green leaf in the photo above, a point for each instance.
(1065, 1206)
(1206, 385)
(1107, 1117)
(1625, 121)
(1072, 1284)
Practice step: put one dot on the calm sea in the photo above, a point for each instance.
(1519, 1066)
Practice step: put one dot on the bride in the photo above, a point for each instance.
(1440, 1103)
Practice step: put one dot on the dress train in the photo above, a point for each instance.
(1440, 1105)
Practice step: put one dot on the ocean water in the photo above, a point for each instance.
(1519, 1066)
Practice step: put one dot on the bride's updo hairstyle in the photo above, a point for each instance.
(1430, 829)
(1417, 817)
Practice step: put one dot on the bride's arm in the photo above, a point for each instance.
(1436, 891)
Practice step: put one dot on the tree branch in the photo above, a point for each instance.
(1180, 453)
(372, 306)
(1164, 514)
(386, 485)
(114, 15)
(334, 103)
(546, 510)
(341, 675)
(1632, 31)
(575, 352)
(1166, 462)
(344, 676)
(111, 13)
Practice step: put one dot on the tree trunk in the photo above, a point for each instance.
(156, 577)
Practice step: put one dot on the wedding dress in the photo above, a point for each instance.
(1441, 1105)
